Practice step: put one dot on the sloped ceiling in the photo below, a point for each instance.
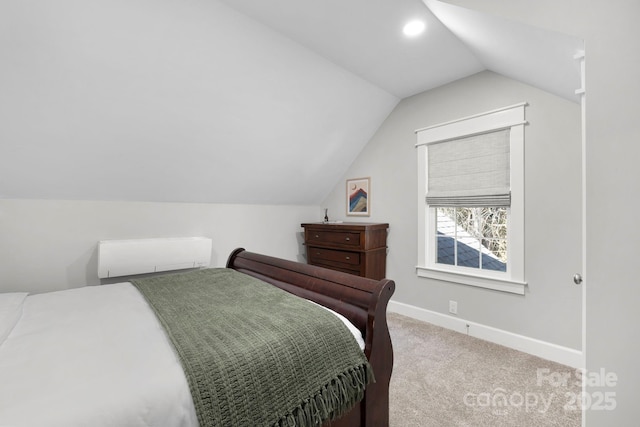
(235, 101)
(542, 58)
(365, 37)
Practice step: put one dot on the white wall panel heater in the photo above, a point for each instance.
(138, 256)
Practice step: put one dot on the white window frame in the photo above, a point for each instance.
(513, 280)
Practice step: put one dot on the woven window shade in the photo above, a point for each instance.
(470, 172)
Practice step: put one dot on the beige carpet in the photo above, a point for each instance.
(443, 378)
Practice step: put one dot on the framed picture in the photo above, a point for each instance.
(358, 197)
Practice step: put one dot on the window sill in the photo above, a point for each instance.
(497, 284)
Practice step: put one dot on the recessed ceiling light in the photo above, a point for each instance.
(413, 28)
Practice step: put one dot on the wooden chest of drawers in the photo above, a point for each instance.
(354, 247)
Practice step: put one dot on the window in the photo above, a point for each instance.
(472, 237)
(471, 201)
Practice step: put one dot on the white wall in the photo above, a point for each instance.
(551, 309)
(52, 244)
(613, 184)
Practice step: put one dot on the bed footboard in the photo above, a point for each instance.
(363, 301)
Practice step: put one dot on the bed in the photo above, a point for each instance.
(99, 356)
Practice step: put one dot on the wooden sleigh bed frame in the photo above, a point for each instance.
(363, 301)
(122, 335)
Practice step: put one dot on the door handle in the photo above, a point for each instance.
(577, 278)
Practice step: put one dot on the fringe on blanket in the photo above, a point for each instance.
(332, 401)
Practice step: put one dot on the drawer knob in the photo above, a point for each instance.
(347, 239)
(317, 236)
(347, 257)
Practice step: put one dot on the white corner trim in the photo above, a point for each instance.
(556, 353)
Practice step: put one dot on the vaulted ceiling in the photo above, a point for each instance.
(232, 101)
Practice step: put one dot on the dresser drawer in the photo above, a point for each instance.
(341, 238)
(353, 247)
(320, 255)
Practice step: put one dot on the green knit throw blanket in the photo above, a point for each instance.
(255, 355)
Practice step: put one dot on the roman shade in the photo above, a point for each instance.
(470, 172)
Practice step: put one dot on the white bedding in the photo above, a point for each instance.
(93, 356)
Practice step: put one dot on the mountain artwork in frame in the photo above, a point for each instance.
(358, 197)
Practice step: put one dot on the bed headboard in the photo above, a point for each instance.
(139, 256)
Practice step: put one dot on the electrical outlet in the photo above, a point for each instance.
(453, 307)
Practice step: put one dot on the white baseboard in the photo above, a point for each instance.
(564, 355)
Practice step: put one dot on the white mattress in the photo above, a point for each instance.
(90, 356)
